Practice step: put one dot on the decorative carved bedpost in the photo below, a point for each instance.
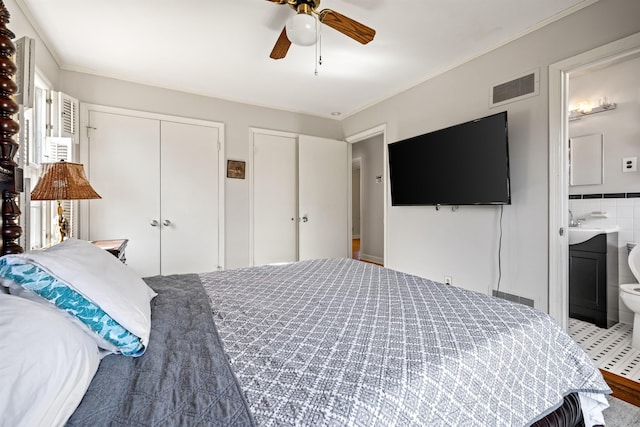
(10, 173)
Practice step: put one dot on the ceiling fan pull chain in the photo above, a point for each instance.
(318, 47)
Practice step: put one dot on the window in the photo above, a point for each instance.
(45, 138)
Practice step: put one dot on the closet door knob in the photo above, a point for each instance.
(166, 223)
(154, 223)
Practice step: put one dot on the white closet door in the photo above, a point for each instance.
(275, 203)
(323, 198)
(123, 168)
(189, 183)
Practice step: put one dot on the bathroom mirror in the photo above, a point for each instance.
(586, 164)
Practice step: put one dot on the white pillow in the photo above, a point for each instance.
(18, 291)
(47, 364)
(100, 278)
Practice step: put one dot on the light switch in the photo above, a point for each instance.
(629, 164)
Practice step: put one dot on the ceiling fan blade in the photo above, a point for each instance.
(281, 47)
(347, 26)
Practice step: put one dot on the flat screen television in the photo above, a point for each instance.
(465, 164)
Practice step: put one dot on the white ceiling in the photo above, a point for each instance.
(220, 48)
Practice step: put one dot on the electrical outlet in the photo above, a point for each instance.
(448, 280)
(629, 164)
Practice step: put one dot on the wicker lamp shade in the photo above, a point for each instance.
(63, 181)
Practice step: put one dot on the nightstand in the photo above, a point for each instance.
(115, 247)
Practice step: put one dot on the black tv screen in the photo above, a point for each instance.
(465, 164)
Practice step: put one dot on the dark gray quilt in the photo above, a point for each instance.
(183, 379)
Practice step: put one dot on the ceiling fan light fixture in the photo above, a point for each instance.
(301, 29)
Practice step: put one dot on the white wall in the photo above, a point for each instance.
(420, 240)
(237, 117)
(45, 63)
(619, 83)
(464, 244)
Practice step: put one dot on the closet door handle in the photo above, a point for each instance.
(166, 223)
(154, 223)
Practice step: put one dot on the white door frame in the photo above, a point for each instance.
(361, 136)
(559, 165)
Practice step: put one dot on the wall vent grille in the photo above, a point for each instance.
(514, 298)
(516, 89)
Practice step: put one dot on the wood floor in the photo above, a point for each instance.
(623, 388)
(355, 248)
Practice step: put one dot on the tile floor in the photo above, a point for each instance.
(610, 349)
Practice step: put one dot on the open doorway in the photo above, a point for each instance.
(594, 203)
(368, 191)
(356, 212)
(559, 76)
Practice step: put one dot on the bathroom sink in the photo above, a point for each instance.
(582, 234)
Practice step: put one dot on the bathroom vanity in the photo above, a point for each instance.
(593, 276)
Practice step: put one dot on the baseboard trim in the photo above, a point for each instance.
(371, 258)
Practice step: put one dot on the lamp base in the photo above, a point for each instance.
(62, 222)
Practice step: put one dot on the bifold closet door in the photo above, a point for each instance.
(189, 198)
(124, 163)
(275, 204)
(299, 198)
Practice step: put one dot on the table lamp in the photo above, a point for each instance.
(63, 181)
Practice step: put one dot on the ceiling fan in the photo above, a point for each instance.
(300, 29)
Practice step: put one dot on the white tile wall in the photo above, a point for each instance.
(625, 213)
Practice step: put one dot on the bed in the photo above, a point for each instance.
(322, 342)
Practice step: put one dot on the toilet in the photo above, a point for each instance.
(630, 295)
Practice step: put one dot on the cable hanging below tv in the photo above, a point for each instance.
(465, 164)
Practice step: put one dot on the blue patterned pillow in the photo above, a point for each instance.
(35, 279)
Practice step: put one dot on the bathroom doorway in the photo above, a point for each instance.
(564, 76)
(559, 79)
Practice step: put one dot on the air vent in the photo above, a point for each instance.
(513, 298)
(516, 89)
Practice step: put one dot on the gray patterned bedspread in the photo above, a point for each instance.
(183, 379)
(340, 342)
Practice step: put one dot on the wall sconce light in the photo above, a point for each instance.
(585, 109)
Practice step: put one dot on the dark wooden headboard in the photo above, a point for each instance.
(10, 174)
